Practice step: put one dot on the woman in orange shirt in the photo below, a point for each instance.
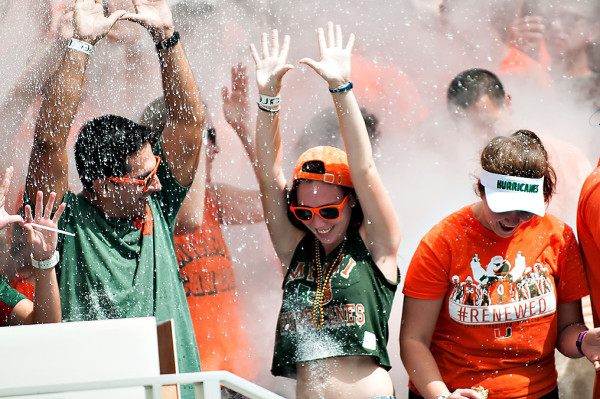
(523, 271)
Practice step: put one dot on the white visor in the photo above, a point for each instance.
(510, 193)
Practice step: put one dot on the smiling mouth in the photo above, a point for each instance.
(325, 231)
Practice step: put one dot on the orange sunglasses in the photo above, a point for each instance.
(145, 183)
(327, 212)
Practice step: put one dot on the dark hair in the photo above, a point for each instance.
(469, 86)
(324, 129)
(521, 155)
(103, 145)
(357, 216)
(154, 116)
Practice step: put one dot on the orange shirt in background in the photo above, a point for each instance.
(209, 282)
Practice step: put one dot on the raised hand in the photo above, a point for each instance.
(334, 65)
(5, 218)
(90, 24)
(271, 64)
(235, 104)
(154, 15)
(42, 243)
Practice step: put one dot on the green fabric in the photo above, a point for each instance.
(356, 317)
(9, 295)
(110, 270)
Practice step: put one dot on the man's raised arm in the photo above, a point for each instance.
(48, 164)
(181, 138)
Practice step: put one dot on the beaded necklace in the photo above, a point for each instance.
(317, 311)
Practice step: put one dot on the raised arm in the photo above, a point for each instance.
(270, 68)
(380, 229)
(48, 165)
(237, 205)
(46, 305)
(182, 136)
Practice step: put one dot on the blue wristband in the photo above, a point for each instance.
(342, 89)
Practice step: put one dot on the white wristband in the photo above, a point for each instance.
(80, 45)
(444, 395)
(267, 101)
(46, 264)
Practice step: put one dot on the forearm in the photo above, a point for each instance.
(182, 97)
(46, 303)
(60, 101)
(567, 338)
(353, 130)
(48, 160)
(422, 369)
(243, 132)
(269, 150)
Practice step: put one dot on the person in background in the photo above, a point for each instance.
(335, 232)
(495, 287)
(205, 264)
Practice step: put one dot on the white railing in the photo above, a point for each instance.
(207, 386)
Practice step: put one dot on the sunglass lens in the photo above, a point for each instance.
(329, 213)
(303, 214)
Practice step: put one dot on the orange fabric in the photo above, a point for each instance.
(385, 90)
(209, 282)
(497, 325)
(145, 224)
(588, 231)
(519, 64)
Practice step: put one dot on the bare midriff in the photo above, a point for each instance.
(342, 377)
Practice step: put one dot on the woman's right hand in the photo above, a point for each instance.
(271, 64)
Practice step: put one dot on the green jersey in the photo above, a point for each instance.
(356, 308)
(9, 295)
(112, 269)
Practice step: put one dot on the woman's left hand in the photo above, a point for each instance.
(334, 65)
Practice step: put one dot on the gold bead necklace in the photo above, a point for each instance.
(317, 311)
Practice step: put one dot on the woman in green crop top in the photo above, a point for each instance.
(335, 232)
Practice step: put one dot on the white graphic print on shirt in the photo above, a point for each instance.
(502, 293)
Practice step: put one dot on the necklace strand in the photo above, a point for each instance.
(317, 311)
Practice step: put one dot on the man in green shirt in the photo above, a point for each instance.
(121, 262)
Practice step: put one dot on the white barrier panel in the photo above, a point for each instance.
(77, 352)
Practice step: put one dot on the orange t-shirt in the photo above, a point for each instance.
(209, 282)
(588, 231)
(497, 326)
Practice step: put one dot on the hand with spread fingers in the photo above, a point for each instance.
(334, 65)
(5, 218)
(154, 15)
(236, 103)
(90, 24)
(42, 242)
(271, 64)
